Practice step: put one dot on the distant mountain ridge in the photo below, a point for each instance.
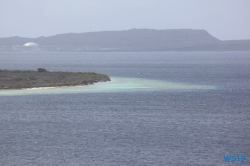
(133, 40)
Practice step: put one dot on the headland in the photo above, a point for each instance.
(20, 79)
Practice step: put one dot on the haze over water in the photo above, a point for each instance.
(166, 108)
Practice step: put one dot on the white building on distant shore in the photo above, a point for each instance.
(31, 46)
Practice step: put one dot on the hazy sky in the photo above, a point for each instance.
(224, 19)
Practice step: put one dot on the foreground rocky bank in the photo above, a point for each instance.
(18, 79)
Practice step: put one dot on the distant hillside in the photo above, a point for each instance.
(132, 40)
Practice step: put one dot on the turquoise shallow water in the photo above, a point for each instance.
(118, 84)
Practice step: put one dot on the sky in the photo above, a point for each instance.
(224, 19)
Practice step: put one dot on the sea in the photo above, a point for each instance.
(160, 109)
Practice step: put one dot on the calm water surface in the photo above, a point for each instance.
(195, 126)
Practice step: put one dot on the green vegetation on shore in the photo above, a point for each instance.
(18, 79)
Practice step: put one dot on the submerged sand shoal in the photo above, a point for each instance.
(117, 84)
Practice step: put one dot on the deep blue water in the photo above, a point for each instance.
(131, 128)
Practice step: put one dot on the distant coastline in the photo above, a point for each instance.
(18, 79)
(134, 40)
